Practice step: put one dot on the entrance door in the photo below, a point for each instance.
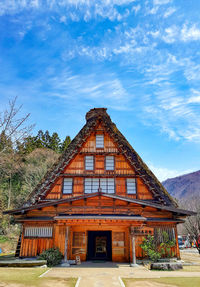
(99, 245)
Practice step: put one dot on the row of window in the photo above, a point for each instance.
(89, 162)
(92, 185)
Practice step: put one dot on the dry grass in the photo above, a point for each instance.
(190, 269)
(20, 277)
(163, 282)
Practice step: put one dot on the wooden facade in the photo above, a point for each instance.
(97, 197)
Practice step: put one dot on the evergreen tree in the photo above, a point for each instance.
(55, 142)
(65, 143)
(47, 139)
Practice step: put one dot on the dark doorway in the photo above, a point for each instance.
(99, 245)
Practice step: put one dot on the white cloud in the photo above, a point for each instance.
(161, 2)
(191, 70)
(75, 9)
(171, 34)
(63, 19)
(153, 10)
(33, 3)
(154, 34)
(136, 8)
(194, 98)
(163, 173)
(92, 88)
(169, 12)
(190, 33)
(174, 114)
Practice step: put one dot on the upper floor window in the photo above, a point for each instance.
(67, 185)
(106, 185)
(89, 162)
(99, 141)
(110, 164)
(131, 185)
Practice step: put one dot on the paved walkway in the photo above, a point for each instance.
(107, 274)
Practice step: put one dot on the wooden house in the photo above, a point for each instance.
(96, 199)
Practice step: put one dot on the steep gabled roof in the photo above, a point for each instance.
(93, 118)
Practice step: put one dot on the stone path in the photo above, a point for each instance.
(107, 274)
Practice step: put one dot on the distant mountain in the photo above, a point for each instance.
(184, 186)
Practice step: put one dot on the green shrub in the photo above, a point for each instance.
(166, 245)
(150, 248)
(52, 255)
(154, 251)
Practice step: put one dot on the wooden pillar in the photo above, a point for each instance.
(133, 249)
(177, 246)
(66, 244)
(133, 264)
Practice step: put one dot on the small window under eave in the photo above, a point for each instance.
(99, 141)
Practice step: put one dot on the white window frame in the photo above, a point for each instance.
(107, 185)
(99, 141)
(110, 162)
(67, 185)
(131, 186)
(38, 231)
(89, 162)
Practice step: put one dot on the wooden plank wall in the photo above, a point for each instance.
(77, 167)
(31, 247)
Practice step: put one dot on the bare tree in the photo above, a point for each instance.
(13, 129)
(12, 125)
(192, 223)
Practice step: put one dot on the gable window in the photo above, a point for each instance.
(99, 141)
(131, 185)
(67, 185)
(92, 185)
(110, 163)
(89, 162)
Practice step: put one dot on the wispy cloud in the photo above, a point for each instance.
(162, 2)
(130, 57)
(163, 173)
(169, 12)
(74, 9)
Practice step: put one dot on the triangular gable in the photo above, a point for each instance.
(94, 117)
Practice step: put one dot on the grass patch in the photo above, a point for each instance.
(30, 277)
(8, 244)
(175, 281)
(26, 276)
(3, 238)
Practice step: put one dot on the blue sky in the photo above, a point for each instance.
(140, 59)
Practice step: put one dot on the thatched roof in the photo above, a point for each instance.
(93, 118)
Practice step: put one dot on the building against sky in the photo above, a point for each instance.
(98, 201)
(140, 59)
